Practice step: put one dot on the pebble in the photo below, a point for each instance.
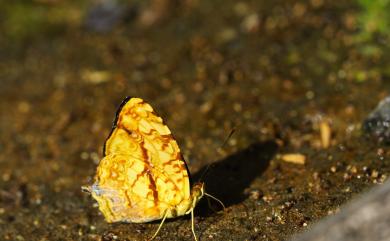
(295, 158)
(255, 194)
(104, 15)
(241, 8)
(95, 76)
(250, 23)
(325, 132)
(377, 124)
(227, 35)
(374, 174)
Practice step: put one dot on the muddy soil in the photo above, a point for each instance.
(274, 71)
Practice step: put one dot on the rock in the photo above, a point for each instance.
(104, 15)
(377, 125)
(365, 219)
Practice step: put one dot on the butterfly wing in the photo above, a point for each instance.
(143, 173)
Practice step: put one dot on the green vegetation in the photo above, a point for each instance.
(23, 21)
(374, 18)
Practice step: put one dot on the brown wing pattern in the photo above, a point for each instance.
(143, 173)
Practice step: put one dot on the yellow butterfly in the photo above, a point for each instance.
(143, 176)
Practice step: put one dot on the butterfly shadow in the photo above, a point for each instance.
(228, 178)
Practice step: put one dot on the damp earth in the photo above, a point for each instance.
(295, 80)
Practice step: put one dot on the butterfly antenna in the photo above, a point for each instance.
(219, 148)
(227, 138)
(214, 198)
(204, 172)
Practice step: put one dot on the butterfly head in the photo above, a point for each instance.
(197, 192)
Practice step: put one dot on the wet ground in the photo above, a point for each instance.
(271, 70)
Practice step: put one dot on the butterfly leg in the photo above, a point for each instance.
(192, 224)
(159, 227)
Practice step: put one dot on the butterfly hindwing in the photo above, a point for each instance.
(143, 173)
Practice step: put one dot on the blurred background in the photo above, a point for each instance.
(298, 81)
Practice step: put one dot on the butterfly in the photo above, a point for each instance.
(143, 176)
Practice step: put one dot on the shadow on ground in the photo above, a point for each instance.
(228, 178)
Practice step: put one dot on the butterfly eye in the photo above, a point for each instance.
(86, 189)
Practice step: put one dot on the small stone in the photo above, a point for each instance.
(237, 107)
(227, 35)
(325, 132)
(84, 155)
(19, 237)
(6, 176)
(24, 107)
(241, 8)
(206, 107)
(232, 142)
(380, 152)
(295, 158)
(255, 194)
(310, 95)
(250, 23)
(382, 178)
(377, 124)
(36, 223)
(267, 198)
(95, 76)
(299, 9)
(110, 236)
(347, 177)
(374, 174)
(104, 15)
(316, 175)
